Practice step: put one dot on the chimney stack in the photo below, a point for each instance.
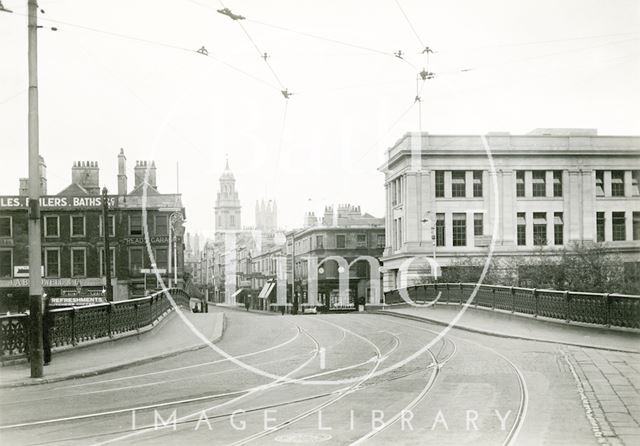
(140, 172)
(122, 173)
(87, 175)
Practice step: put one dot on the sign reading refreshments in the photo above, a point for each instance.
(55, 202)
(76, 301)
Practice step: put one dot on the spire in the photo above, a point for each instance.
(227, 162)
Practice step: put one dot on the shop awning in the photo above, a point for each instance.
(237, 292)
(266, 290)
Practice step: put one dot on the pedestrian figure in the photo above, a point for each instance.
(247, 303)
(282, 309)
(196, 309)
(47, 326)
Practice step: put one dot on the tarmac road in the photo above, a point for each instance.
(319, 379)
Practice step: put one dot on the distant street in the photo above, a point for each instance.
(466, 388)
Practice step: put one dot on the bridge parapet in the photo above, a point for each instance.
(607, 309)
(73, 326)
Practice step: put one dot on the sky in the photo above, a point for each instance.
(126, 74)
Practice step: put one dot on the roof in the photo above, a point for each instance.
(73, 189)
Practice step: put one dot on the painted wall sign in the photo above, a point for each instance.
(55, 202)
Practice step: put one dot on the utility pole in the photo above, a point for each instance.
(294, 309)
(107, 250)
(35, 254)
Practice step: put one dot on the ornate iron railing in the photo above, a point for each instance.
(616, 310)
(72, 326)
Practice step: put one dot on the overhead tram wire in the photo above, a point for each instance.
(410, 24)
(156, 43)
(263, 55)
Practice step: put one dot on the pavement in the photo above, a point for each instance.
(527, 328)
(169, 338)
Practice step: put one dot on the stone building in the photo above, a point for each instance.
(453, 196)
(73, 240)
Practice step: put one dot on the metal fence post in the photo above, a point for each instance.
(535, 298)
(135, 306)
(567, 299)
(493, 298)
(460, 295)
(73, 326)
(109, 321)
(608, 304)
(513, 300)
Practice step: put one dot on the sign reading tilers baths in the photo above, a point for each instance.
(55, 202)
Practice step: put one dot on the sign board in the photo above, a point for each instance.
(157, 240)
(152, 270)
(56, 202)
(70, 301)
(23, 271)
(49, 282)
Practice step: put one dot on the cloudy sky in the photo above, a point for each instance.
(125, 73)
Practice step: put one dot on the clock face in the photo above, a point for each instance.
(321, 270)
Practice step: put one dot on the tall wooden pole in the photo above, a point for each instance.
(35, 254)
(107, 249)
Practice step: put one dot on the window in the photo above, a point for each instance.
(635, 179)
(636, 225)
(600, 222)
(78, 262)
(361, 240)
(232, 220)
(617, 183)
(6, 263)
(51, 226)
(112, 226)
(340, 241)
(477, 183)
(599, 183)
(458, 186)
(5, 227)
(557, 183)
(478, 224)
(539, 228)
(381, 241)
(319, 242)
(77, 226)
(112, 255)
(398, 190)
(522, 229)
(400, 239)
(439, 183)
(135, 260)
(538, 185)
(520, 183)
(161, 258)
(161, 225)
(558, 229)
(459, 229)
(440, 239)
(135, 224)
(52, 262)
(619, 230)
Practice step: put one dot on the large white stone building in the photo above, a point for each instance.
(549, 188)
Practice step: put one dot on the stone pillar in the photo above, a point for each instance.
(507, 207)
(468, 183)
(447, 184)
(528, 184)
(588, 206)
(608, 226)
(548, 182)
(574, 200)
(529, 225)
(550, 228)
(628, 224)
(627, 184)
(607, 183)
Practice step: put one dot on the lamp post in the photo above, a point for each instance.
(432, 221)
(174, 218)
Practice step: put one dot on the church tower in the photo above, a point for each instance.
(227, 208)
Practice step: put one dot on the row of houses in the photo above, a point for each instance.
(73, 239)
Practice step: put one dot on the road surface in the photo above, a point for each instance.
(321, 379)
